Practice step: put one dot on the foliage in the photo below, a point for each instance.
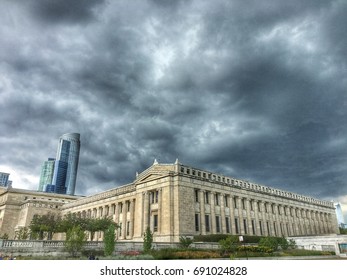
(185, 241)
(229, 244)
(40, 225)
(75, 240)
(147, 240)
(274, 242)
(4, 236)
(218, 237)
(109, 240)
(196, 255)
(23, 233)
(49, 224)
(343, 230)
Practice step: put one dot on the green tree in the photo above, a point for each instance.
(44, 225)
(75, 240)
(229, 245)
(185, 241)
(22, 234)
(147, 240)
(109, 240)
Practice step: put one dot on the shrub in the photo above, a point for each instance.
(229, 244)
(147, 240)
(185, 242)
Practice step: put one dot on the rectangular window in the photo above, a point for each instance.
(196, 195)
(120, 229)
(207, 197)
(245, 226)
(128, 228)
(268, 228)
(258, 204)
(253, 227)
(197, 222)
(121, 208)
(235, 201)
(227, 224)
(128, 206)
(261, 228)
(243, 204)
(207, 223)
(217, 224)
(237, 226)
(217, 198)
(154, 197)
(251, 203)
(226, 201)
(155, 223)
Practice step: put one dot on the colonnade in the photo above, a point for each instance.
(238, 215)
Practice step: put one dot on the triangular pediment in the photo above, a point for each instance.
(150, 177)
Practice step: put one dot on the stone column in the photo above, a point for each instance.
(256, 217)
(232, 216)
(124, 219)
(222, 214)
(132, 212)
(249, 218)
(213, 213)
(145, 212)
(202, 213)
(240, 210)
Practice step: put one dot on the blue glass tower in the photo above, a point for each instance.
(66, 164)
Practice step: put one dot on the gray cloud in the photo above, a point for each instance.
(252, 90)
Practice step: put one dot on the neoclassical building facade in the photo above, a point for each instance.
(176, 200)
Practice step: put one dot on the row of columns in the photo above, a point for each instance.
(260, 217)
(119, 213)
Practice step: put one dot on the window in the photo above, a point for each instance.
(237, 226)
(197, 222)
(227, 224)
(245, 225)
(207, 223)
(207, 197)
(154, 195)
(196, 195)
(226, 201)
(217, 198)
(251, 203)
(128, 228)
(155, 223)
(258, 205)
(121, 208)
(268, 228)
(261, 228)
(243, 203)
(235, 202)
(217, 224)
(253, 227)
(128, 206)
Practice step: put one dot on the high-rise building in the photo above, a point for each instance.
(46, 177)
(4, 179)
(339, 215)
(66, 164)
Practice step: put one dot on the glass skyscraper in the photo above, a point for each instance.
(66, 164)
(46, 174)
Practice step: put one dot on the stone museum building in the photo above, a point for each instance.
(176, 200)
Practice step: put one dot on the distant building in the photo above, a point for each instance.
(4, 179)
(46, 174)
(339, 215)
(64, 169)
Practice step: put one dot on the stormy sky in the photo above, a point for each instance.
(250, 89)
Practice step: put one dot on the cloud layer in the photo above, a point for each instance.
(250, 89)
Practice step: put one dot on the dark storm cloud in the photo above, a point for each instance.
(250, 89)
(67, 12)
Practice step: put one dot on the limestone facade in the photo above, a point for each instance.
(177, 200)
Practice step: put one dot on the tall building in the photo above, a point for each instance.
(66, 164)
(339, 215)
(46, 177)
(4, 179)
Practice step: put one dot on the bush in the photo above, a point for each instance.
(218, 237)
(229, 244)
(185, 242)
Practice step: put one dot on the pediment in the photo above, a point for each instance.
(150, 177)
